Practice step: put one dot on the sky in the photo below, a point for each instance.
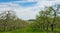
(26, 9)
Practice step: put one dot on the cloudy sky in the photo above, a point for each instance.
(26, 9)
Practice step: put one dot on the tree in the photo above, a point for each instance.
(55, 13)
(46, 15)
(9, 21)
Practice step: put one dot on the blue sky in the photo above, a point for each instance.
(26, 9)
(9, 0)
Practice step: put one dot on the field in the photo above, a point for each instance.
(23, 30)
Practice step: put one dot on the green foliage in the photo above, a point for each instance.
(47, 18)
(9, 21)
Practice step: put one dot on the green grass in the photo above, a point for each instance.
(28, 32)
(23, 30)
(34, 32)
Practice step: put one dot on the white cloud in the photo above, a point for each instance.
(26, 12)
(22, 12)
